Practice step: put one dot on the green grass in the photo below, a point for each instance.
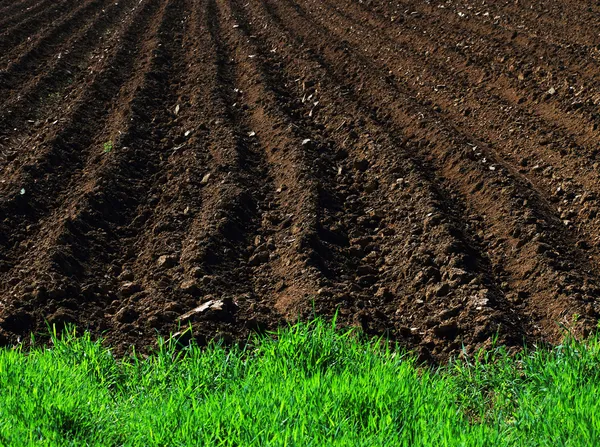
(308, 386)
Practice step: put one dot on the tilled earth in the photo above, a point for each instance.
(429, 170)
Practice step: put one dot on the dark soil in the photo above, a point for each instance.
(429, 170)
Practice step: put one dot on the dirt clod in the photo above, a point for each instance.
(166, 261)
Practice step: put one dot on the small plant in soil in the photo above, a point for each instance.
(108, 147)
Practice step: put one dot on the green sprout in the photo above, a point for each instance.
(108, 147)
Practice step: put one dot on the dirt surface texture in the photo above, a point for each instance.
(429, 170)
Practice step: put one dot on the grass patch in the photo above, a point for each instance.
(308, 386)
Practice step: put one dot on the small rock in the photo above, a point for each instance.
(261, 247)
(548, 171)
(205, 179)
(213, 309)
(196, 272)
(448, 313)
(457, 276)
(207, 279)
(453, 248)
(363, 242)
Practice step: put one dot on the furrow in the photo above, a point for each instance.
(233, 178)
(288, 149)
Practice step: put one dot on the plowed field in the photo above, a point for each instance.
(429, 169)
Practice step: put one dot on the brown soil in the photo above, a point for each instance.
(430, 170)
